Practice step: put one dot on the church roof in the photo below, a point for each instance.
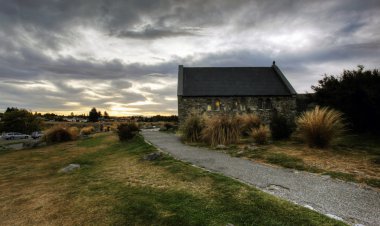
(233, 81)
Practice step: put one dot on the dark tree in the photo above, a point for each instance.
(93, 116)
(106, 116)
(20, 120)
(356, 93)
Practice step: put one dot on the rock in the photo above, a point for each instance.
(221, 146)
(229, 224)
(251, 147)
(152, 156)
(69, 168)
(240, 152)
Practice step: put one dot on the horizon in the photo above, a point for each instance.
(122, 56)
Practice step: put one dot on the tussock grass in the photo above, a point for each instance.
(320, 127)
(87, 130)
(59, 134)
(221, 129)
(74, 131)
(127, 131)
(260, 135)
(248, 122)
(192, 127)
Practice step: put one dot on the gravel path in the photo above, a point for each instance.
(338, 199)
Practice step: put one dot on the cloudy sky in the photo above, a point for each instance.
(122, 56)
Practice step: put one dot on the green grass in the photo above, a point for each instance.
(342, 176)
(113, 200)
(289, 162)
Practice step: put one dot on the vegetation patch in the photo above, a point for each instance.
(119, 188)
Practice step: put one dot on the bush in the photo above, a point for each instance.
(280, 128)
(192, 127)
(320, 127)
(248, 122)
(58, 134)
(87, 130)
(260, 135)
(74, 131)
(127, 131)
(221, 129)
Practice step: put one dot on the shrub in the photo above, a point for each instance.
(280, 128)
(58, 134)
(248, 122)
(320, 126)
(127, 131)
(192, 127)
(260, 135)
(221, 129)
(74, 131)
(87, 130)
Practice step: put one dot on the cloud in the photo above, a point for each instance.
(113, 54)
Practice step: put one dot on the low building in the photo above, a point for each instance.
(263, 91)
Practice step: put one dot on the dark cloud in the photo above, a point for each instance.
(150, 32)
(36, 36)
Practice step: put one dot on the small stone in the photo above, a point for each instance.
(69, 168)
(229, 224)
(152, 156)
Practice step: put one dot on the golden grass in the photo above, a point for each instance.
(359, 163)
(320, 127)
(260, 135)
(87, 130)
(221, 129)
(192, 128)
(248, 122)
(134, 172)
(32, 193)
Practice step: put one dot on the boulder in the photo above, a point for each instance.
(69, 168)
(152, 156)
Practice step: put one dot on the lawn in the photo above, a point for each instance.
(114, 186)
(354, 158)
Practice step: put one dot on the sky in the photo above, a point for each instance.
(122, 56)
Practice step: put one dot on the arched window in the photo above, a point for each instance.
(217, 105)
(268, 104)
(260, 103)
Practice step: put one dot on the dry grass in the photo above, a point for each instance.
(222, 129)
(87, 130)
(192, 127)
(133, 172)
(260, 135)
(32, 193)
(60, 134)
(248, 122)
(320, 127)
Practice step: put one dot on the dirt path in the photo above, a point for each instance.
(349, 201)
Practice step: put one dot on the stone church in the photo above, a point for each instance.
(263, 91)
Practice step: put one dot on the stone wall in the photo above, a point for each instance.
(264, 107)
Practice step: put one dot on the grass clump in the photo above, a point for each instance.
(74, 131)
(248, 122)
(280, 128)
(126, 131)
(221, 129)
(59, 134)
(87, 130)
(192, 128)
(260, 135)
(320, 127)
